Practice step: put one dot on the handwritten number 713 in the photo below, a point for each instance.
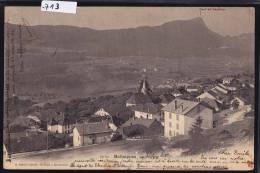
(55, 6)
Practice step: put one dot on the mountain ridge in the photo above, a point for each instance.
(67, 60)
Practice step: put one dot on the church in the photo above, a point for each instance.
(143, 94)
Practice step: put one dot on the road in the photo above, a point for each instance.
(86, 151)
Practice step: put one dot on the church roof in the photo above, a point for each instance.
(139, 98)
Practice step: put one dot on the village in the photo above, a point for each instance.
(166, 112)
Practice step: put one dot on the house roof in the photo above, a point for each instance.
(222, 86)
(193, 87)
(180, 106)
(138, 121)
(148, 107)
(139, 98)
(113, 109)
(176, 92)
(34, 118)
(214, 94)
(93, 128)
(227, 78)
(219, 96)
(242, 99)
(209, 102)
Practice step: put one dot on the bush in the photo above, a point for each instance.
(116, 137)
(153, 146)
(134, 130)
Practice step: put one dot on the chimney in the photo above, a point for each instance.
(181, 107)
(175, 104)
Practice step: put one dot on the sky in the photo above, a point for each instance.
(223, 20)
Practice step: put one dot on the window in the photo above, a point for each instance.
(170, 133)
(177, 126)
(177, 117)
(177, 133)
(170, 124)
(170, 115)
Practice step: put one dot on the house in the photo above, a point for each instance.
(55, 126)
(206, 95)
(227, 80)
(220, 88)
(176, 93)
(34, 121)
(109, 119)
(148, 111)
(180, 115)
(91, 133)
(138, 98)
(141, 127)
(166, 99)
(232, 86)
(116, 113)
(164, 86)
(237, 103)
(183, 84)
(221, 98)
(103, 112)
(210, 103)
(192, 89)
(61, 124)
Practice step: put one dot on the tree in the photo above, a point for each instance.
(196, 136)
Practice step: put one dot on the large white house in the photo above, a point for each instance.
(180, 115)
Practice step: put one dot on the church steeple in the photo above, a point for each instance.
(144, 86)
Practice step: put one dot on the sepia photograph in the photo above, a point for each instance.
(129, 88)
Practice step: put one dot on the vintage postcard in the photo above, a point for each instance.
(139, 88)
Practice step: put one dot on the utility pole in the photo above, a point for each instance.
(83, 133)
(47, 133)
